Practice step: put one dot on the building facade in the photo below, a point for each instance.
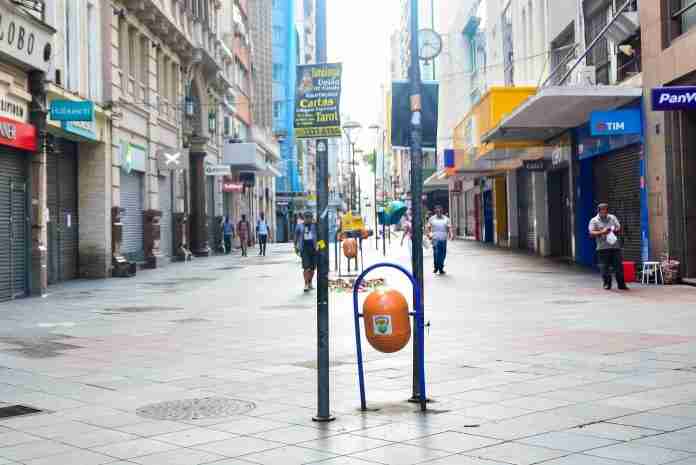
(669, 40)
(26, 59)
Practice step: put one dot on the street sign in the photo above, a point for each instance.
(218, 170)
(69, 110)
(317, 101)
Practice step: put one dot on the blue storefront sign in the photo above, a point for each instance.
(80, 128)
(449, 158)
(674, 98)
(617, 122)
(68, 110)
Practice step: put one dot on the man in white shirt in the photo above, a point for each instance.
(439, 230)
(604, 228)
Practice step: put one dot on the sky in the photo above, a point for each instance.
(358, 34)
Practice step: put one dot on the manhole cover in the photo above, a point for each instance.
(195, 409)
(569, 302)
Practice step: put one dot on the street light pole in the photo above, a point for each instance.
(416, 190)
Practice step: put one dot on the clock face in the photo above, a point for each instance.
(429, 44)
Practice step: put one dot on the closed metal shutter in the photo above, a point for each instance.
(13, 224)
(165, 201)
(617, 182)
(525, 200)
(63, 233)
(132, 218)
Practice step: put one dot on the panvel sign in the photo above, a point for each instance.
(674, 98)
(317, 101)
(618, 122)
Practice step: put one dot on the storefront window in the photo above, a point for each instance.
(685, 11)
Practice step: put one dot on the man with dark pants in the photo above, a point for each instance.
(227, 232)
(439, 229)
(262, 231)
(604, 228)
(306, 245)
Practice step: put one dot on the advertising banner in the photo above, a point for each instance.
(317, 101)
(674, 98)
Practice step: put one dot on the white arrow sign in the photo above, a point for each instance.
(218, 170)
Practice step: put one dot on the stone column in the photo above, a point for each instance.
(198, 217)
(38, 283)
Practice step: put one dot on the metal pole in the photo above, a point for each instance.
(352, 177)
(322, 184)
(384, 206)
(374, 204)
(416, 190)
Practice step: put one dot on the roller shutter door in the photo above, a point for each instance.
(525, 199)
(132, 218)
(62, 200)
(165, 201)
(617, 181)
(13, 224)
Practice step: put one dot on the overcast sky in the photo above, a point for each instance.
(358, 34)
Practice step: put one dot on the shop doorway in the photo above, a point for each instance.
(559, 214)
(488, 222)
(63, 235)
(683, 192)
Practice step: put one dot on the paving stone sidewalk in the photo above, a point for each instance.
(528, 361)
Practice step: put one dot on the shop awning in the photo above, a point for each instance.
(439, 179)
(556, 109)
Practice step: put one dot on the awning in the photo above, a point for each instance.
(438, 179)
(553, 110)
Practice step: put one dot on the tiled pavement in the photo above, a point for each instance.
(528, 362)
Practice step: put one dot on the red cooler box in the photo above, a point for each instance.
(629, 269)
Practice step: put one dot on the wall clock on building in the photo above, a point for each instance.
(429, 44)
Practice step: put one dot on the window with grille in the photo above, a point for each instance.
(683, 16)
(599, 55)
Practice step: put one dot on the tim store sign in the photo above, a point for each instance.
(674, 98)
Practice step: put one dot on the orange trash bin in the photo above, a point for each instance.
(350, 248)
(629, 269)
(387, 323)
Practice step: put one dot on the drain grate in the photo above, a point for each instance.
(17, 410)
(195, 409)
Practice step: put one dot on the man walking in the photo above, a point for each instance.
(306, 245)
(439, 229)
(243, 232)
(227, 233)
(604, 228)
(262, 231)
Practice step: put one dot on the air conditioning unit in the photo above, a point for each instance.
(583, 76)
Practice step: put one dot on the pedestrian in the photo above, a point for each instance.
(262, 231)
(227, 234)
(439, 230)
(306, 246)
(604, 228)
(244, 232)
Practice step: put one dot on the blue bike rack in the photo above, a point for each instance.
(420, 330)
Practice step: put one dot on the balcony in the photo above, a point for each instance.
(247, 156)
(266, 140)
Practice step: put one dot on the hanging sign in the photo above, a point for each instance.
(172, 159)
(228, 186)
(674, 98)
(218, 170)
(317, 101)
(69, 110)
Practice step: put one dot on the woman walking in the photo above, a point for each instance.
(243, 231)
